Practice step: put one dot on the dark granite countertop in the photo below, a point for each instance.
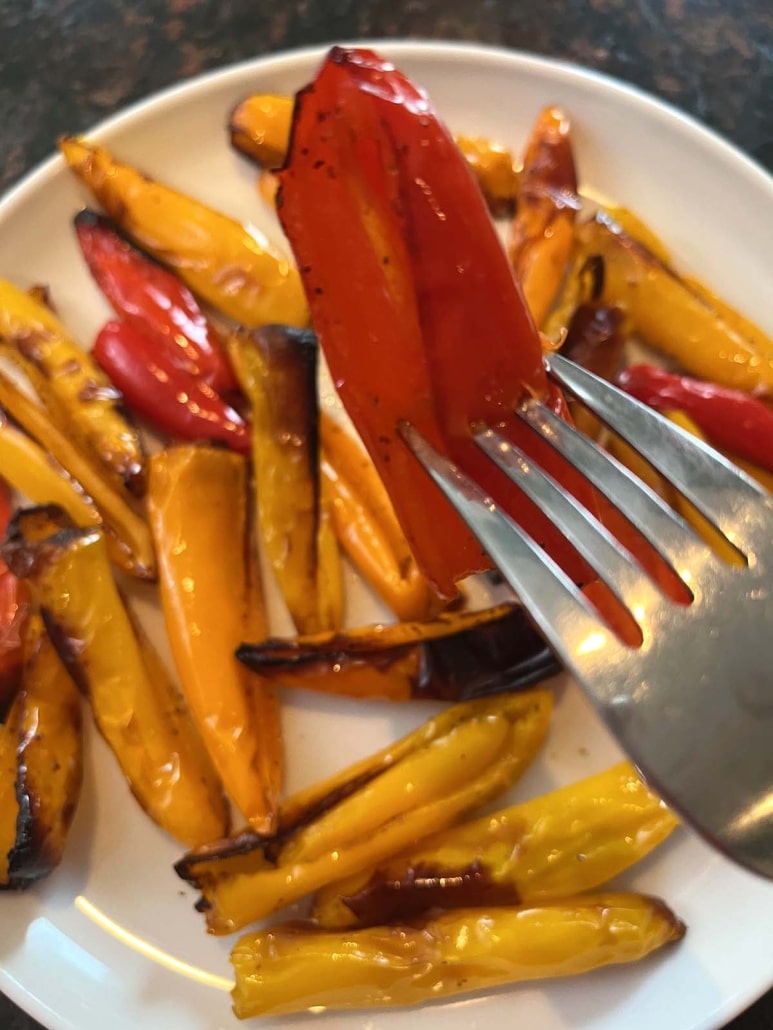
(66, 64)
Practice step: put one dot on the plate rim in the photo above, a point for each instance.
(710, 139)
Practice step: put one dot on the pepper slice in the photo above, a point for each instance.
(415, 304)
(730, 418)
(458, 655)
(296, 966)
(569, 841)
(171, 398)
(153, 300)
(420, 784)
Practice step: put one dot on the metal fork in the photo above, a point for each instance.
(693, 704)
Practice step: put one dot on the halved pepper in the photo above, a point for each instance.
(456, 655)
(676, 315)
(73, 388)
(173, 399)
(14, 606)
(366, 525)
(422, 783)
(277, 370)
(49, 761)
(731, 419)
(542, 232)
(229, 265)
(210, 594)
(154, 301)
(296, 966)
(415, 304)
(569, 841)
(136, 707)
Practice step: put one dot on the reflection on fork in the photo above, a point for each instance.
(692, 704)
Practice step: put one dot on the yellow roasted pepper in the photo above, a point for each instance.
(76, 392)
(543, 229)
(31, 472)
(277, 369)
(211, 601)
(705, 530)
(49, 760)
(296, 967)
(260, 128)
(231, 266)
(9, 804)
(367, 527)
(137, 710)
(676, 317)
(456, 655)
(426, 781)
(569, 841)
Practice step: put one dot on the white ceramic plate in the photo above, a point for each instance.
(112, 938)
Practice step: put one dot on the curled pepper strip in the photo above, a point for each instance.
(296, 966)
(566, 842)
(424, 782)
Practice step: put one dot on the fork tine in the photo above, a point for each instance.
(667, 531)
(561, 612)
(711, 482)
(595, 543)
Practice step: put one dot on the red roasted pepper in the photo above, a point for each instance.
(13, 612)
(414, 300)
(172, 399)
(154, 301)
(731, 419)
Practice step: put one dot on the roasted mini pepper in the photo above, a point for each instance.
(211, 599)
(260, 129)
(13, 607)
(730, 419)
(49, 761)
(421, 784)
(173, 399)
(277, 370)
(137, 710)
(229, 265)
(415, 304)
(542, 232)
(675, 315)
(295, 967)
(154, 301)
(128, 537)
(76, 393)
(366, 525)
(566, 842)
(457, 655)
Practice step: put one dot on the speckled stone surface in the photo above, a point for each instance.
(66, 64)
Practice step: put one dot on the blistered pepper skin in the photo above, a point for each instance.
(296, 967)
(419, 785)
(566, 842)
